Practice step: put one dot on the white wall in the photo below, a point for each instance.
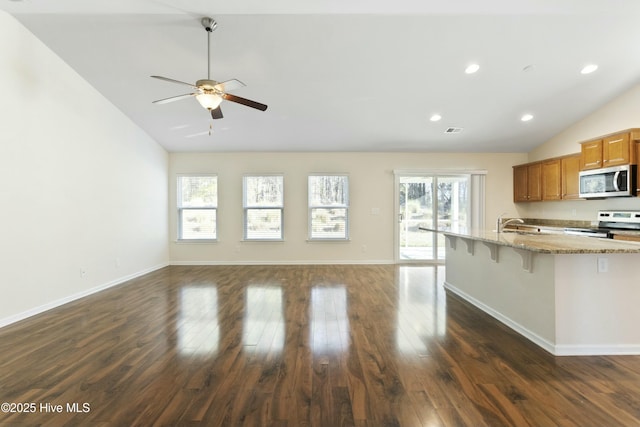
(82, 186)
(371, 183)
(619, 114)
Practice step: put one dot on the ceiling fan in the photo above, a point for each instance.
(211, 93)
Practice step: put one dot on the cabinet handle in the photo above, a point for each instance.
(615, 140)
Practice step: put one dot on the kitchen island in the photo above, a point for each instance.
(571, 295)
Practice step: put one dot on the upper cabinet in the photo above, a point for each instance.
(591, 155)
(527, 185)
(610, 150)
(550, 179)
(637, 175)
(570, 167)
(616, 150)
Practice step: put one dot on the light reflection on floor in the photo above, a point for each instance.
(421, 314)
(198, 327)
(329, 320)
(264, 327)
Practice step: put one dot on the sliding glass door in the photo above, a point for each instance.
(430, 202)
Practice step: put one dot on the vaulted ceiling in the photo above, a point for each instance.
(350, 76)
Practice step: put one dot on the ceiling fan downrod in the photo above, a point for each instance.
(209, 24)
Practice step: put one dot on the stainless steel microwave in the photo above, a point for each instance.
(617, 181)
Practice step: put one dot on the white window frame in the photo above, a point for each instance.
(312, 207)
(246, 208)
(181, 209)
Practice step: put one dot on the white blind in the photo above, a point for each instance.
(263, 200)
(197, 207)
(328, 207)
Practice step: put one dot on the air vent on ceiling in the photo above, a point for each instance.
(453, 130)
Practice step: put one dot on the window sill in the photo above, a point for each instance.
(262, 240)
(328, 240)
(195, 241)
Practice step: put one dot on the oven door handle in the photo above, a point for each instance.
(616, 178)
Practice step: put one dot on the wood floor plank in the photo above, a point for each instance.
(327, 346)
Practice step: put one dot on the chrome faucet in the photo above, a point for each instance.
(500, 225)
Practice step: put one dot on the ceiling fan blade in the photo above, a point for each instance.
(216, 113)
(244, 101)
(193, 135)
(174, 98)
(167, 79)
(230, 85)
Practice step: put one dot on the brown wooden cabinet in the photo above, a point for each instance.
(591, 155)
(616, 150)
(520, 183)
(551, 179)
(638, 175)
(610, 150)
(527, 183)
(627, 238)
(570, 167)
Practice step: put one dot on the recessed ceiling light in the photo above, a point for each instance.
(472, 68)
(588, 69)
(435, 117)
(526, 117)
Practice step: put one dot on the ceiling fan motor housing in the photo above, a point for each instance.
(209, 87)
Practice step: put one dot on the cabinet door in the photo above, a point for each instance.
(570, 181)
(591, 155)
(638, 174)
(551, 180)
(616, 150)
(534, 182)
(520, 183)
(627, 238)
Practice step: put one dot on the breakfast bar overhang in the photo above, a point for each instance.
(570, 295)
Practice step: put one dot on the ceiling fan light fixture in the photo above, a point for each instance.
(209, 101)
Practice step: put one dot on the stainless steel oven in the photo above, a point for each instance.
(610, 223)
(618, 181)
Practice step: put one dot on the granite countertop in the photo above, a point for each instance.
(549, 243)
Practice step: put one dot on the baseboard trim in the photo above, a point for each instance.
(65, 300)
(531, 336)
(289, 262)
(598, 350)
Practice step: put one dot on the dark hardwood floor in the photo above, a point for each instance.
(297, 346)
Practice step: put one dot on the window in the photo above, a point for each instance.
(263, 206)
(197, 207)
(328, 207)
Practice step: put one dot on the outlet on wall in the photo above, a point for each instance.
(603, 265)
